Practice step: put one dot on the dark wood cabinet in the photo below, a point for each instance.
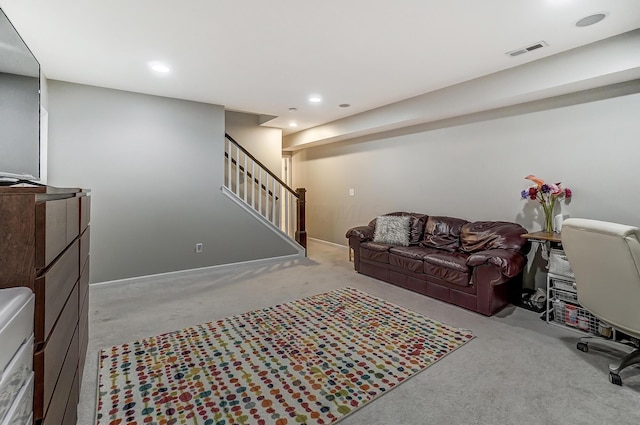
(44, 245)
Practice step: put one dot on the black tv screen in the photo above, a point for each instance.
(19, 106)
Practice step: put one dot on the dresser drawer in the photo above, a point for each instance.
(61, 347)
(17, 233)
(83, 338)
(57, 224)
(85, 240)
(73, 219)
(52, 290)
(66, 390)
(71, 412)
(85, 212)
(84, 280)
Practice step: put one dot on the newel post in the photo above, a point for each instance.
(301, 229)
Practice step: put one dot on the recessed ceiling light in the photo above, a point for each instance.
(315, 99)
(293, 109)
(591, 19)
(159, 67)
(344, 105)
(293, 124)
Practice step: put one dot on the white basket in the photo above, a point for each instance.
(559, 264)
(574, 316)
(566, 296)
(565, 285)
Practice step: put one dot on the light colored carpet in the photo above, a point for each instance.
(519, 370)
(310, 361)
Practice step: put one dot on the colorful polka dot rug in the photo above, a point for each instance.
(310, 361)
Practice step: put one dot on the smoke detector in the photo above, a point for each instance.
(527, 49)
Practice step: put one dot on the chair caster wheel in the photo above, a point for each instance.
(615, 379)
(582, 346)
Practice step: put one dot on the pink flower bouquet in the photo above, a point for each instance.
(546, 194)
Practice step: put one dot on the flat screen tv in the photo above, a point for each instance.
(19, 107)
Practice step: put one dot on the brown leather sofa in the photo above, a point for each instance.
(475, 265)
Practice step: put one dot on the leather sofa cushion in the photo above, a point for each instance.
(412, 264)
(414, 252)
(509, 262)
(443, 233)
(375, 246)
(483, 235)
(409, 257)
(375, 251)
(416, 225)
(448, 266)
(452, 260)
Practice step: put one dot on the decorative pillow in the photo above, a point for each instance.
(392, 230)
(416, 225)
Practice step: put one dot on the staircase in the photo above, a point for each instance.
(263, 193)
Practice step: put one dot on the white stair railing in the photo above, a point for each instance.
(264, 192)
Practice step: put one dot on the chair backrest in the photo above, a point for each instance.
(605, 258)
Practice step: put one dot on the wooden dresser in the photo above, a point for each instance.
(44, 245)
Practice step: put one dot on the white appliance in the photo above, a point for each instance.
(16, 356)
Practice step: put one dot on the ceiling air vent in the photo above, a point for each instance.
(527, 49)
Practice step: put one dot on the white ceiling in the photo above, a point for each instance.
(265, 57)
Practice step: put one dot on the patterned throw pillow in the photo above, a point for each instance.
(392, 230)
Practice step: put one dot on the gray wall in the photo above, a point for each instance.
(155, 166)
(475, 170)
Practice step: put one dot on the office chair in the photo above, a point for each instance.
(605, 258)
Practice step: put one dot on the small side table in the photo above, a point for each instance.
(546, 241)
(543, 237)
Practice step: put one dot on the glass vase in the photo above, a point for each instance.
(547, 207)
(548, 221)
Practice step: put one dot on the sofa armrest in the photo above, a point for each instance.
(362, 233)
(509, 262)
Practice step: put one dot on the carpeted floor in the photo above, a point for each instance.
(519, 370)
(309, 361)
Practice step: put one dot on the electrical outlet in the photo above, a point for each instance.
(199, 247)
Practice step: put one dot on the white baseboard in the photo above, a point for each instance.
(137, 279)
(328, 243)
